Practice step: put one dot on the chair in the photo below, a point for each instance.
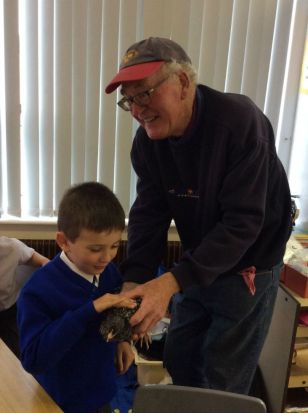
(276, 356)
(273, 376)
(181, 399)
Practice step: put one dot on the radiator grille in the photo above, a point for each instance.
(49, 249)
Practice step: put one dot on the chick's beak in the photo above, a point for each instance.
(110, 336)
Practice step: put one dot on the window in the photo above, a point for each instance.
(58, 127)
(298, 170)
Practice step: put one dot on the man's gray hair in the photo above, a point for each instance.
(175, 67)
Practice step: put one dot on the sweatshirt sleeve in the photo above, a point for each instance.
(45, 340)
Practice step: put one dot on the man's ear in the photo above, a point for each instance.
(185, 83)
(62, 241)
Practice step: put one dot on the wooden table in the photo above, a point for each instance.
(19, 391)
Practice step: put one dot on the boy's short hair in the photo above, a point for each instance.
(91, 206)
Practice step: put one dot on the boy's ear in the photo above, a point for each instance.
(62, 241)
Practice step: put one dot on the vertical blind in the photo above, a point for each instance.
(57, 126)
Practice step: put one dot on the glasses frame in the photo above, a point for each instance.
(141, 99)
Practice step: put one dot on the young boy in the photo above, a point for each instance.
(13, 253)
(60, 308)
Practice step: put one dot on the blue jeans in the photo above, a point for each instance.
(217, 333)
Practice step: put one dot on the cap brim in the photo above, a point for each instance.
(131, 73)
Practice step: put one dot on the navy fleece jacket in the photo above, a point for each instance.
(222, 184)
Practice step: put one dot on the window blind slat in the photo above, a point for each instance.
(286, 140)
(195, 30)
(278, 61)
(265, 51)
(122, 166)
(251, 67)
(63, 97)
(178, 22)
(208, 42)
(153, 20)
(237, 46)
(2, 165)
(107, 119)
(222, 48)
(29, 104)
(79, 46)
(46, 101)
(11, 109)
(93, 51)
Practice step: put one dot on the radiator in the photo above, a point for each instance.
(49, 249)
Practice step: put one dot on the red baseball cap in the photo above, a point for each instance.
(144, 58)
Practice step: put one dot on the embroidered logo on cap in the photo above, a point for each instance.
(131, 54)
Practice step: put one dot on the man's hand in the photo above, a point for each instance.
(128, 285)
(156, 295)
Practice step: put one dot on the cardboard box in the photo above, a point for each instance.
(151, 371)
(296, 281)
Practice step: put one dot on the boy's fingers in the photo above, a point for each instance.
(126, 302)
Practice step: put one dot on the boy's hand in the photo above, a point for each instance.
(113, 300)
(124, 357)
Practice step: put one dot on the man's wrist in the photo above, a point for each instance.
(170, 282)
(128, 285)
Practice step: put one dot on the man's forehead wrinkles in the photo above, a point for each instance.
(135, 87)
(140, 85)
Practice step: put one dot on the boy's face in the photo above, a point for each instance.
(92, 251)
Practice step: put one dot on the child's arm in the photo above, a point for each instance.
(124, 357)
(37, 260)
(46, 339)
(113, 300)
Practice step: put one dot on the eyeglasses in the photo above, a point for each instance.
(140, 99)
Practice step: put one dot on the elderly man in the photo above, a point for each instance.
(207, 160)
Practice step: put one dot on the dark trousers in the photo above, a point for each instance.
(9, 330)
(217, 333)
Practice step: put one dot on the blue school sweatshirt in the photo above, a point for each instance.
(59, 336)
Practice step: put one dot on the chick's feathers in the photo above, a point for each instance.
(115, 324)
